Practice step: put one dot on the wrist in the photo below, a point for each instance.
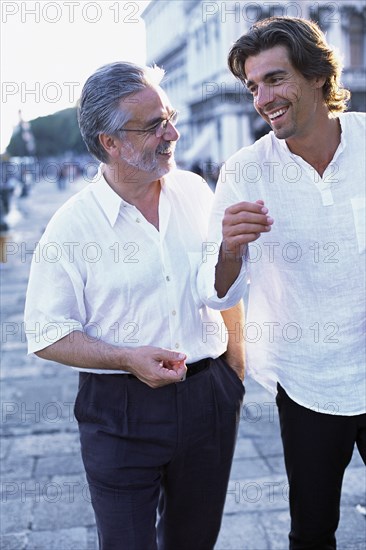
(127, 359)
(232, 255)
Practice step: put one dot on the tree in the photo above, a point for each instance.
(54, 135)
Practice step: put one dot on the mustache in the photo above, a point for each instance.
(166, 147)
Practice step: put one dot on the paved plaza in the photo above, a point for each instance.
(45, 498)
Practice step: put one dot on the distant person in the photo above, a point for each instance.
(197, 169)
(62, 178)
(7, 186)
(289, 214)
(208, 170)
(160, 394)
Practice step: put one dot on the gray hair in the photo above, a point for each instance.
(99, 108)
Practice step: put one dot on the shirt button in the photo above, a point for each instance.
(174, 312)
(176, 345)
(167, 278)
(138, 220)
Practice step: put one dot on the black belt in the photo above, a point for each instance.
(192, 369)
(198, 366)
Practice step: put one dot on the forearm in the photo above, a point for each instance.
(235, 354)
(154, 366)
(226, 271)
(80, 350)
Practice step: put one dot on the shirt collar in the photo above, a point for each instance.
(108, 199)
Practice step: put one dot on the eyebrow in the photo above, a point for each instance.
(156, 120)
(267, 76)
(153, 122)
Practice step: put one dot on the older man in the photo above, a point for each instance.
(158, 405)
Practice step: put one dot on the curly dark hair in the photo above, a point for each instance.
(308, 50)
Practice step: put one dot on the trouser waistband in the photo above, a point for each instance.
(198, 366)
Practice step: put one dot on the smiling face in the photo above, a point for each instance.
(145, 151)
(286, 100)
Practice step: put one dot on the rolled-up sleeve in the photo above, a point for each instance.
(54, 302)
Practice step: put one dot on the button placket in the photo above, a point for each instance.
(171, 301)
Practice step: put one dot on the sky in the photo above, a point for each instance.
(49, 49)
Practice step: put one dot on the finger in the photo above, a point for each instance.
(173, 374)
(172, 364)
(246, 207)
(180, 370)
(168, 355)
(247, 217)
(244, 229)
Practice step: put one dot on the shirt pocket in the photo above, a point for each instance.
(359, 216)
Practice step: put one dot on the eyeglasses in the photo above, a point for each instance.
(158, 129)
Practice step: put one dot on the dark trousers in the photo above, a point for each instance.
(317, 449)
(168, 449)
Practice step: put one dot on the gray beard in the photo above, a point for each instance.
(146, 162)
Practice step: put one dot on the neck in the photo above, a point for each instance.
(140, 192)
(319, 146)
(131, 186)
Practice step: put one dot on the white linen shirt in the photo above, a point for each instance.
(103, 269)
(305, 321)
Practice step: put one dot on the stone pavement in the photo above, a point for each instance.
(45, 499)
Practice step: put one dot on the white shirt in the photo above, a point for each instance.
(305, 322)
(103, 269)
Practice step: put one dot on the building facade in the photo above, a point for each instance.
(191, 39)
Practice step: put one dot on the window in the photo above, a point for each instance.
(356, 38)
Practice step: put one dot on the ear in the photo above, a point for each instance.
(319, 81)
(109, 143)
